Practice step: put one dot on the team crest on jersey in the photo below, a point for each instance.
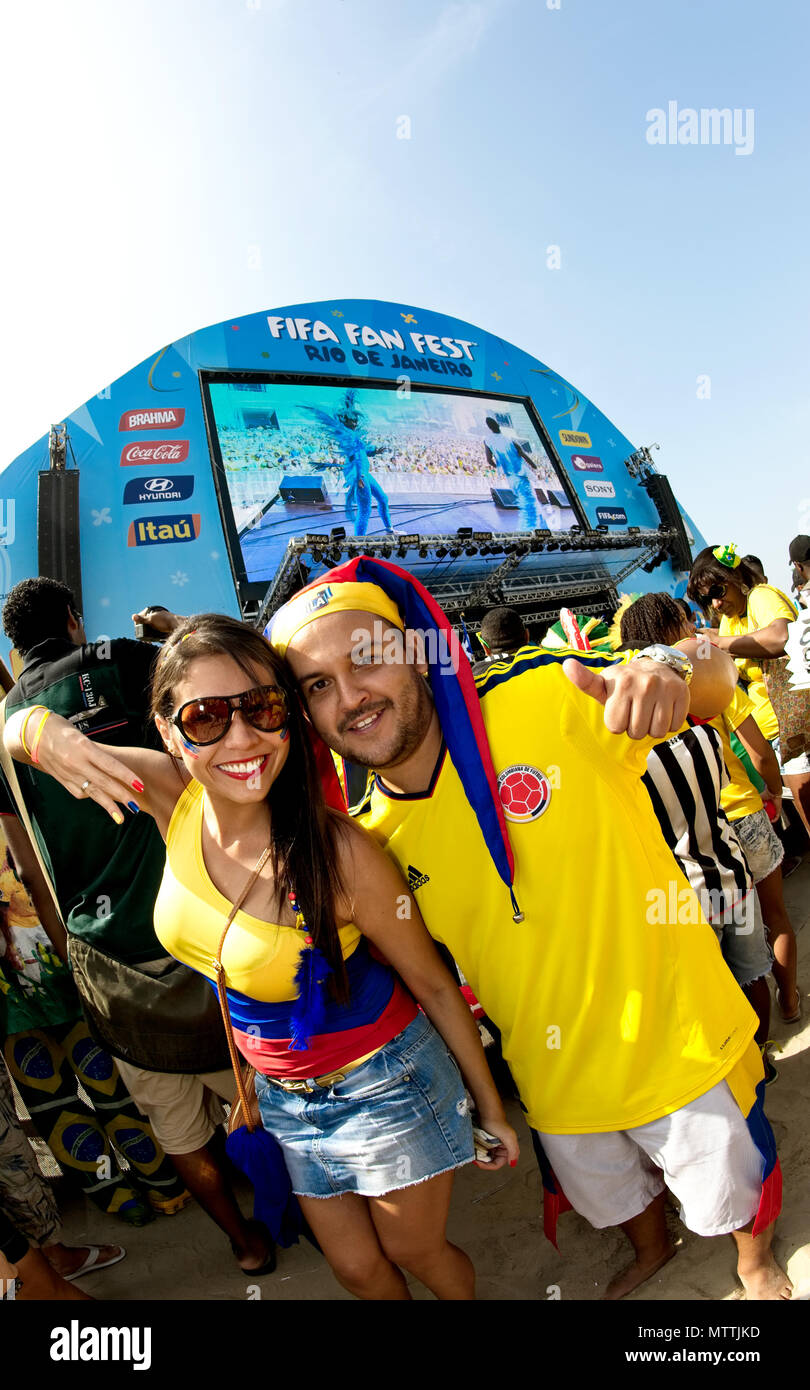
(524, 791)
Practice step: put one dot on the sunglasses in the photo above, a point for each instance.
(208, 719)
(716, 591)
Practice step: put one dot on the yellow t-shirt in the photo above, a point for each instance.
(611, 1014)
(765, 603)
(740, 798)
(259, 958)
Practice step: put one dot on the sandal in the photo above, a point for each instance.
(94, 1261)
(270, 1262)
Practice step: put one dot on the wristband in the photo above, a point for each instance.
(38, 735)
(32, 710)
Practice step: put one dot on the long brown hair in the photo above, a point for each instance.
(303, 830)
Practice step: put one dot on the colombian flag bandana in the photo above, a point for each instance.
(376, 586)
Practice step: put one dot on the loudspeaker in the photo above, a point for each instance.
(661, 495)
(303, 489)
(59, 553)
(505, 498)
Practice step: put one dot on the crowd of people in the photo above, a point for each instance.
(307, 448)
(216, 927)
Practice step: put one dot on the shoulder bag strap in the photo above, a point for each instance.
(222, 990)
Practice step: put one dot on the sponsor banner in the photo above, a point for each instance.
(587, 463)
(611, 516)
(163, 530)
(167, 418)
(601, 488)
(154, 451)
(174, 489)
(575, 439)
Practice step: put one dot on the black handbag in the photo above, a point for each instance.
(169, 1022)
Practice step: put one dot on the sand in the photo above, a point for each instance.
(495, 1217)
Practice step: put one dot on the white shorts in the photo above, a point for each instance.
(184, 1111)
(703, 1152)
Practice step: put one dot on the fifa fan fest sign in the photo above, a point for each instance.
(326, 423)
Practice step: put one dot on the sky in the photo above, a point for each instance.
(171, 163)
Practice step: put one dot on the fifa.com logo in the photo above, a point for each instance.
(383, 645)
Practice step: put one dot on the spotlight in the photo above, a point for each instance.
(335, 554)
(317, 555)
(423, 552)
(386, 551)
(471, 550)
(455, 551)
(441, 551)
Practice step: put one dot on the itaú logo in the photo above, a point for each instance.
(157, 451)
(163, 530)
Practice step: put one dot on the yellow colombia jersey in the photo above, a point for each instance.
(612, 1013)
(740, 798)
(765, 604)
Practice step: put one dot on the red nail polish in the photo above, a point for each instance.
(137, 784)
(513, 1163)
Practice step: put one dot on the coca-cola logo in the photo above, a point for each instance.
(157, 451)
(167, 418)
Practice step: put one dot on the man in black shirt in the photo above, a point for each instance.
(159, 1020)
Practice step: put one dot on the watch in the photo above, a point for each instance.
(668, 656)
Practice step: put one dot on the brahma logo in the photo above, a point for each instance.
(574, 439)
(169, 418)
(524, 791)
(600, 488)
(157, 451)
(175, 489)
(587, 463)
(163, 530)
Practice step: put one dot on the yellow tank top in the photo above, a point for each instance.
(260, 958)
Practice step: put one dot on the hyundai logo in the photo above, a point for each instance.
(158, 484)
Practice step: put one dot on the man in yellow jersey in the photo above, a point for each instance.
(631, 1045)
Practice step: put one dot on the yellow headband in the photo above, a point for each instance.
(317, 602)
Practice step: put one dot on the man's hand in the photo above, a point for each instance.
(158, 618)
(642, 698)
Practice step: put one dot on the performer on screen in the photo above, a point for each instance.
(361, 487)
(511, 459)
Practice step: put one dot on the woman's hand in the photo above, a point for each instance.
(86, 769)
(508, 1149)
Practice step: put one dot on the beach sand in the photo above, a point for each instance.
(496, 1218)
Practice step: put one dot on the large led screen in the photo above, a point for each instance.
(302, 457)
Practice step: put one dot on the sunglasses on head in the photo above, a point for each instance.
(208, 719)
(716, 591)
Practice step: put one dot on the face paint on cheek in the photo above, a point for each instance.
(189, 747)
(284, 733)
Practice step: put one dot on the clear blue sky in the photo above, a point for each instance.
(168, 165)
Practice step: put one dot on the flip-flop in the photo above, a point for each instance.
(94, 1261)
(270, 1263)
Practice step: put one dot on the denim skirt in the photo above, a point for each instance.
(399, 1119)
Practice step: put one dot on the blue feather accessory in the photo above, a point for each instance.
(311, 977)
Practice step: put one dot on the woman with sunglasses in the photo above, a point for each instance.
(361, 1091)
(754, 620)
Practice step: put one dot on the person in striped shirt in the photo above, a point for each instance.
(685, 779)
